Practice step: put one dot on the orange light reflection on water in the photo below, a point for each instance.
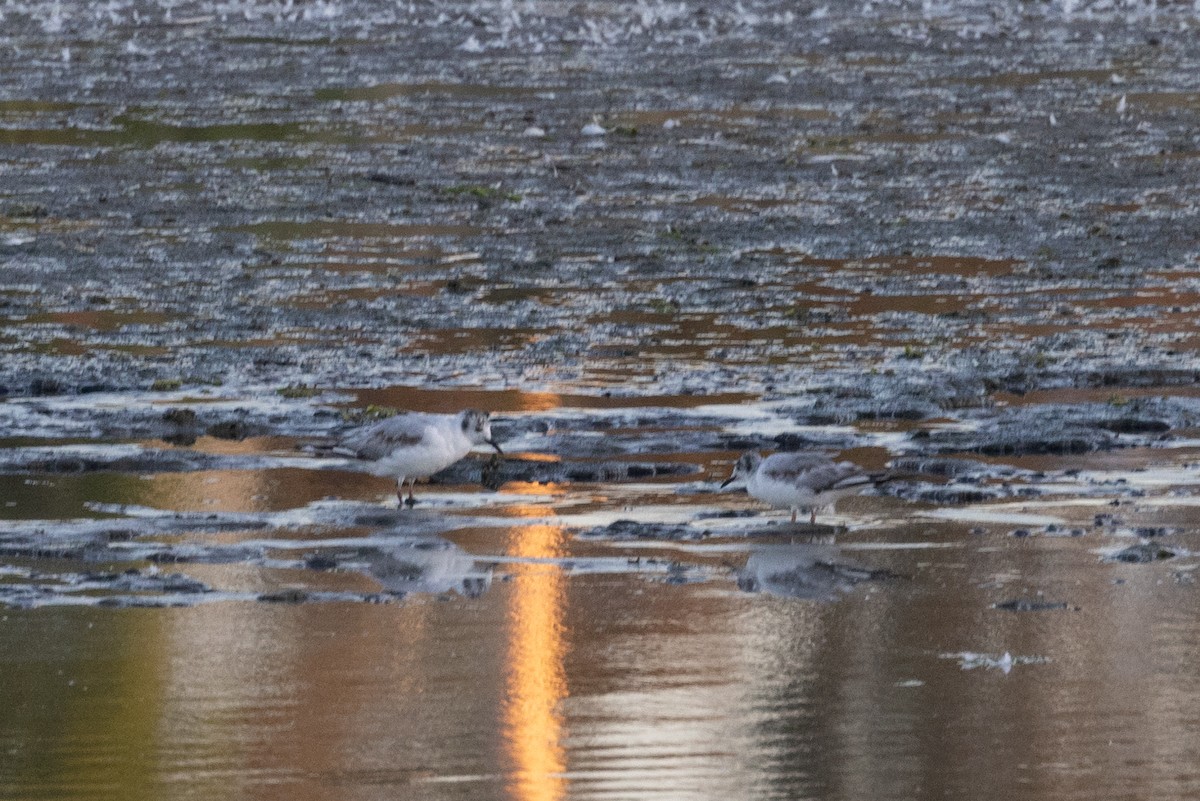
(534, 488)
(536, 683)
(530, 456)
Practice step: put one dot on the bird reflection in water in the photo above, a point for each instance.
(428, 565)
(817, 572)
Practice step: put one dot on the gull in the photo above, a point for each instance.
(413, 445)
(800, 480)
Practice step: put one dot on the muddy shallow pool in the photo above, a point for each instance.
(553, 685)
(278, 628)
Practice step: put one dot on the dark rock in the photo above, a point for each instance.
(937, 466)
(945, 495)
(1142, 553)
(140, 602)
(635, 530)
(491, 475)
(31, 211)
(782, 442)
(1050, 444)
(147, 461)
(1134, 425)
(391, 180)
(495, 471)
(179, 417)
(1058, 429)
(45, 385)
(288, 596)
(177, 582)
(788, 442)
(317, 561)
(229, 429)
(1026, 605)
(383, 517)
(726, 514)
(893, 414)
(818, 419)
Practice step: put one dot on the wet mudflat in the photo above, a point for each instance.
(953, 239)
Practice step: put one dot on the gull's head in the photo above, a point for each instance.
(743, 468)
(478, 428)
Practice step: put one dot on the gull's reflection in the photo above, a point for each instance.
(818, 572)
(428, 565)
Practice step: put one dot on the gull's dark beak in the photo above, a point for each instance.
(727, 482)
(493, 443)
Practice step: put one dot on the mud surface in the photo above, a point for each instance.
(964, 198)
(955, 242)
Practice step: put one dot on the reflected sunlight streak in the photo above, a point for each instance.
(536, 679)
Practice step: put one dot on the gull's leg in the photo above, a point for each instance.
(812, 520)
(411, 502)
(400, 489)
(793, 514)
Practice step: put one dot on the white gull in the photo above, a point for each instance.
(800, 480)
(414, 445)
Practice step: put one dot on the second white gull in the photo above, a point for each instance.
(800, 480)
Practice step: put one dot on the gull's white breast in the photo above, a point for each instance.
(780, 494)
(437, 451)
(440, 442)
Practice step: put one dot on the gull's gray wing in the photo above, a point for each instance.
(815, 471)
(378, 440)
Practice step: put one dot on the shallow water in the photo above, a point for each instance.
(512, 644)
(610, 685)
